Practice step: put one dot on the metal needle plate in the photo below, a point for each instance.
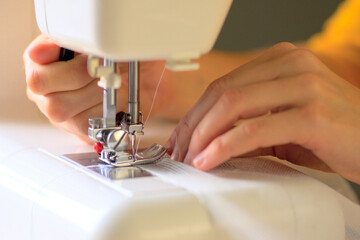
(92, 162)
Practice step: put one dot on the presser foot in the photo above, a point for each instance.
(127, 158)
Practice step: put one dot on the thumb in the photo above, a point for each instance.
(43, 51)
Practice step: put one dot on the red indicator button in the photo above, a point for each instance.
(98, 147)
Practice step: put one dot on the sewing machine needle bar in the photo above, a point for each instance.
(134, 99)
(109, 106)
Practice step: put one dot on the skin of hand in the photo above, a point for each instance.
(68, 96)
(285, 103)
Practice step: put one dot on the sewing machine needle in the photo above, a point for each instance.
(133, 141)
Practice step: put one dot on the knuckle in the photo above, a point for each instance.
(283, 46)
(301, 57)
(312, 82)
(55, 109)
(229, 97)
(221, 84)
(320, 88)
(280, 48)
(34, 82)
(315, 113)
(302, 52)
(219, 147)
(250, 128)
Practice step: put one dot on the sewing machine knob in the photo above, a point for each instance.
(118, 140)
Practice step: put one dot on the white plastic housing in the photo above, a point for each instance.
(125, 30)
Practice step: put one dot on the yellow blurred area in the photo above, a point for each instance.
(340, 41)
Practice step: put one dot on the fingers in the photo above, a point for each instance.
(79, 123)
(180, 138)
(278, 62)
(42, 51)
(60, 106)
(262, 132)
(306, 101)
(44, 74)
(59, 76)
(247, 102)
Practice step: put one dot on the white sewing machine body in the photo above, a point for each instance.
(125, 30)
(44, 196)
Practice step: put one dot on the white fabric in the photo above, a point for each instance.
(263, 199)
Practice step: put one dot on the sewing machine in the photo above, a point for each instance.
(51, 187)
(128, 30)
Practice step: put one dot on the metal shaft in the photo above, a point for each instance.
(134, 93)
(109, 102)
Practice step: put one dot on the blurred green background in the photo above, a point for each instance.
(258, 23)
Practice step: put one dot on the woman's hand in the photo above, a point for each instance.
(68, 96)
(285, 103)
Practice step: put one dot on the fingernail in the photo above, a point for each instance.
(169, 145)
(199, 160)
(175, 155)
(187, 159)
